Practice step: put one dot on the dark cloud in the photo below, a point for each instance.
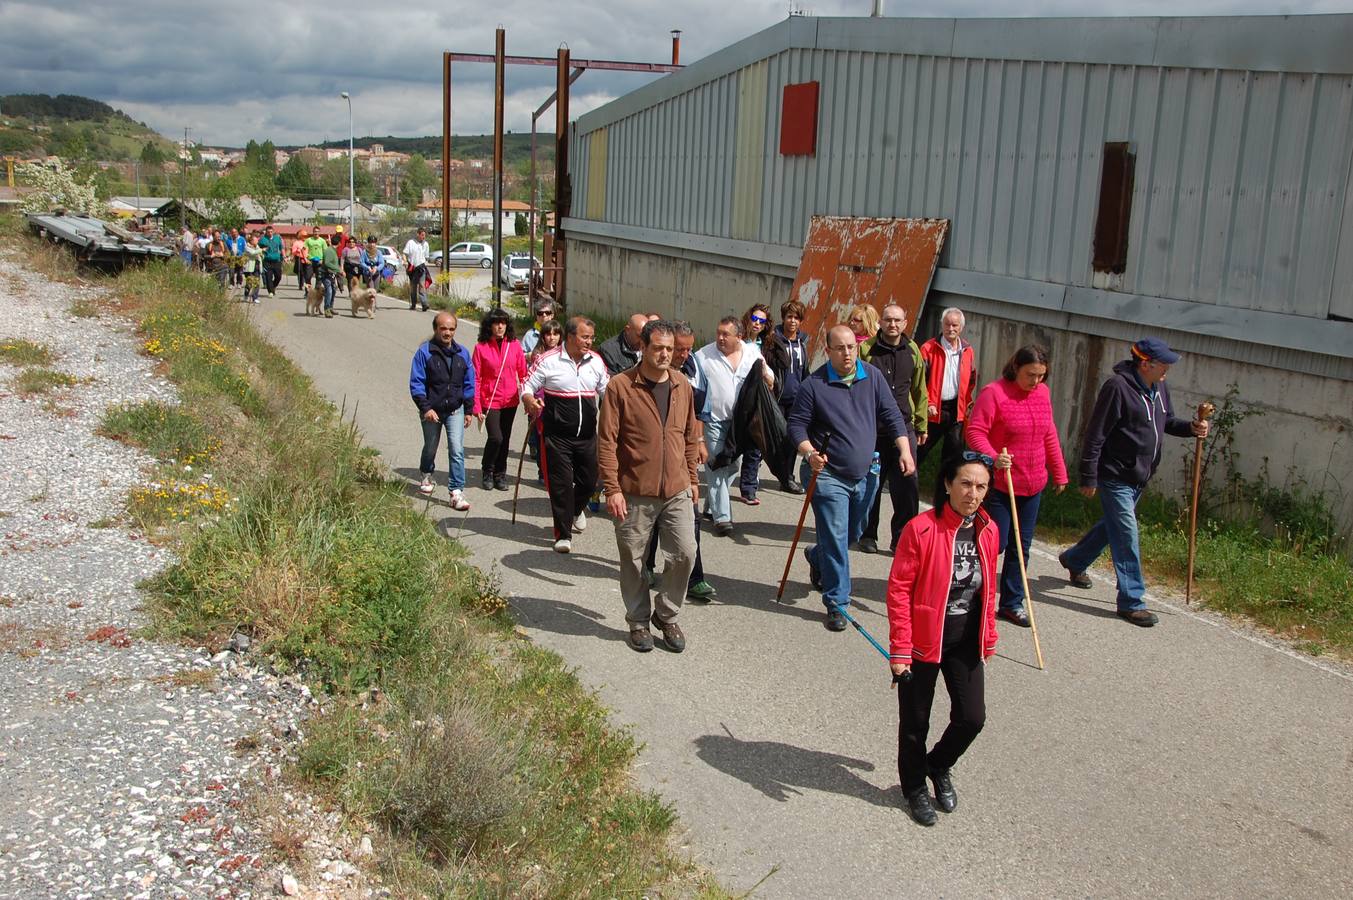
(248, 69)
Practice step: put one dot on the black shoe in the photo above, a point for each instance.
(413, 306)
(723, 529)
(500, 482)
(946, 798)
(1013, 616)
(836, 620)
(1143, 618)
(918, 804)
(814, 573)
(1077, 579)
(486, 483)
(868, 545)
(791, 486)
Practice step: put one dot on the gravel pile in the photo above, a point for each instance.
(127, 767)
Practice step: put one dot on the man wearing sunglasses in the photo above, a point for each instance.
(843, 408)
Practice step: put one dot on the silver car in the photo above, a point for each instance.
(515, 272)
(466, 253)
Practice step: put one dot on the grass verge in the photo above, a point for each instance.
(485, 766)
(37, 380)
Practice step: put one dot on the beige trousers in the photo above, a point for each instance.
(676, 537)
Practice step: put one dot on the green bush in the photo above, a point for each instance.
(21, 352)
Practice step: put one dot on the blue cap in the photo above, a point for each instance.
(1156, 349)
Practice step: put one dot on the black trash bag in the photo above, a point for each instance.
(758, 422)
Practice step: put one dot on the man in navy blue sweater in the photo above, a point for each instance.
(1132, 415)
(840, 412)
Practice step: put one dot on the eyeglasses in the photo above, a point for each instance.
(974, 456)
(760, 320)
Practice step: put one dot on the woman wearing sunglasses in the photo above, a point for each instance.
(1014, 413)
(942, 620)
(864, 321)
(755, 327)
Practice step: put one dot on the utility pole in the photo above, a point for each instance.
(183, 182)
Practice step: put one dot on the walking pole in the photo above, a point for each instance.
(1023, 570)
(521, 461)
(798, 531)
(1205, 411)
(897, 679)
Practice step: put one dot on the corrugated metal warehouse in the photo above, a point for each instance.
(1220, 149)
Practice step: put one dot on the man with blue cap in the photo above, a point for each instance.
(1123, 445)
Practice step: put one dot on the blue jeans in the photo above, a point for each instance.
(718, 482)
(1117, 531)
(327, 283)
(998, 507)
(454, 424)
(840, 509)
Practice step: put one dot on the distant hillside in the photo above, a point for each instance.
(73, 127)
(516, 147)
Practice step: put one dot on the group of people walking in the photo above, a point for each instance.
(252, 262)
(644, 414)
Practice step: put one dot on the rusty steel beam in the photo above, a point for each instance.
(607, 64)
(446, 164)
(562, 183)
(500, 44)
(577, 73)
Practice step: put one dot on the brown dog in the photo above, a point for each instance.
(363, 298)
(314, 300)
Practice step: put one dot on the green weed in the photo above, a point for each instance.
(21, 352)
(165, 431)
(32, 381)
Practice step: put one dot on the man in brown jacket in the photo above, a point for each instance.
(647, 441)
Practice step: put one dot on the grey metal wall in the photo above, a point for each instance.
(1242, 196)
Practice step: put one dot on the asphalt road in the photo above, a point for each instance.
(1191, 759)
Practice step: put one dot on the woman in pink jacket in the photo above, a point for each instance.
(499, 372)
(942, 619)
(1014, 413)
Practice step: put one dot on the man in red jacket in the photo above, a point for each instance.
(951, 381)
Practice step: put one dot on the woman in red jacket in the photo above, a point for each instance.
(1014, 413)
(942, 619)
(499, 372)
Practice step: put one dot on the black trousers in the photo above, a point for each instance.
(499, 424)
(570, 478)
(903, 489)
(948, 430)
(963, 678)
(697, 571)
(302, 273)
(272, 274)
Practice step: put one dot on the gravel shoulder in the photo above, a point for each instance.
(128, 767)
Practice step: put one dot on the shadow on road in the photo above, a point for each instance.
(1044, 584)
(779, 770)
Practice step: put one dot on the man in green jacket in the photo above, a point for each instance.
(900, 361)
(329, 271)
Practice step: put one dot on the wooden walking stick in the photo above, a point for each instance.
(521, 461)
(1205, 411)
(798, 531)
(1023, 570)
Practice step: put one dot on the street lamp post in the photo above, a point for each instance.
(352, 198)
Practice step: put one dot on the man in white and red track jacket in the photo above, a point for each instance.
(564, 388)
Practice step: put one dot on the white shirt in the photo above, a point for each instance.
(416, 252)
(953, 359)
(721, 382)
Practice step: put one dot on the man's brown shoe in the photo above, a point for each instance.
(1077, 579)
(640, 639)
(1142, 618)
(671, 634)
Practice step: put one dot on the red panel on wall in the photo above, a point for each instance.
(798, 120)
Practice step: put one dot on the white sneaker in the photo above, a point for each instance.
(580, 522)
(563, 545)
(458, 501)
(426, 486)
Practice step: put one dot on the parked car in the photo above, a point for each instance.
(466, 253)
(515, 271)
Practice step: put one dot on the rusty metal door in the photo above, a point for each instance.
(848, 261)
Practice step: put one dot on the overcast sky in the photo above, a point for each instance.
(243, 69)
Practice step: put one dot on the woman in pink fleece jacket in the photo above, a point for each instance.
(499, 372)
(1014, 413)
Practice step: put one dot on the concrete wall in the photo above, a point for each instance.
(1303, 428)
